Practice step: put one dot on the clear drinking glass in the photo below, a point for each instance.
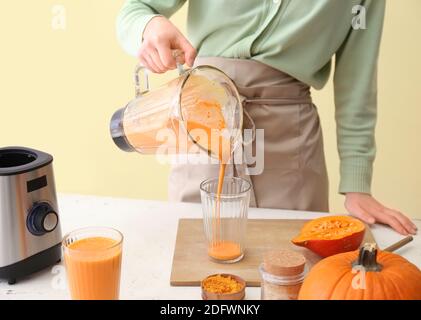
(225, 217)
(93, 263)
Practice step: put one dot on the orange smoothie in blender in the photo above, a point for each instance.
(156, 121)
(93, 268)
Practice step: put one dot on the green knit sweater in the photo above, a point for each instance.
(299, 37)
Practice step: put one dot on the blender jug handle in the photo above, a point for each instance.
(138, 88)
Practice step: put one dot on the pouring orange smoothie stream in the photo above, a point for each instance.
(222, 250)
(208, 116)
(207, 120)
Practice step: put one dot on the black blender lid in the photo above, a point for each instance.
(16, 160)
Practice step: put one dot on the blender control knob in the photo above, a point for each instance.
(41, 219)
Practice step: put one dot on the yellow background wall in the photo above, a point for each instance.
(58, 89)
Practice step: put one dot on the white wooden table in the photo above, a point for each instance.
(149, 228)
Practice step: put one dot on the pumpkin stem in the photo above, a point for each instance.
(367, 258)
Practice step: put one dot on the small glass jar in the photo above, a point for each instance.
(282, 273)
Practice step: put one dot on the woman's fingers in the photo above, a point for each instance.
(386, 218)
(144, 57)
(405, 221)
(151, 64)
(385, 215)
(162, 58)
(166, 56)
(160, 38)
(370, 210)
(188, 49)
(149, 58)
(156, 60)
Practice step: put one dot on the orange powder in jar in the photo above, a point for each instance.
(221, 284)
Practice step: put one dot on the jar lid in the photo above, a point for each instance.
(284, 262)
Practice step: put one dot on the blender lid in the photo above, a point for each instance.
(17, 160)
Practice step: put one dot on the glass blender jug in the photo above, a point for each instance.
(199, 110)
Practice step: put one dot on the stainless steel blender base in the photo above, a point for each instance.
(31, 265)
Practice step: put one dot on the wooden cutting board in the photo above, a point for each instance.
(191, 263)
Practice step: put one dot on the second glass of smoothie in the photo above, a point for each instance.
(225, 205)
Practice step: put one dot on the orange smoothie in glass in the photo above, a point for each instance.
(93, 263)
(225, 250)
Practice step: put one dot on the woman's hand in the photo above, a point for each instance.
(368, 209)
(160, 39)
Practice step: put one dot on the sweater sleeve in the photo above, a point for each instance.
(135, 15)
(355, 86)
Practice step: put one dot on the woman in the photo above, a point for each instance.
(275, 51)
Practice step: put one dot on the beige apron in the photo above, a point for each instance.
(294, 175)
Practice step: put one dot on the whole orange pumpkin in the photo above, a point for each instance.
(363, 275)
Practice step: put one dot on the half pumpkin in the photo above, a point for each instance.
(331, 235)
